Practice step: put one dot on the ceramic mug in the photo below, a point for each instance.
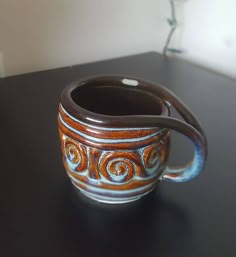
(115, 134)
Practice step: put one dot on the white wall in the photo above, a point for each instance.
(44, 34)
(209, 34)
(206, 33)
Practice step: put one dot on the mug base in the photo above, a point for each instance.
(108, 200)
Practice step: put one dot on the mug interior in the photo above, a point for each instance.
(116, 100)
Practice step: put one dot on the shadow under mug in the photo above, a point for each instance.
(140, 228)
(115, 135)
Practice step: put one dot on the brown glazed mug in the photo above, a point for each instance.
(115, 135)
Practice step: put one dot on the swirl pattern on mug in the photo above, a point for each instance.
(119, 167)
(151, 157)
(75, 155)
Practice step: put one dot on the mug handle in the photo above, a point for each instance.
(192, 169)
(189, 128)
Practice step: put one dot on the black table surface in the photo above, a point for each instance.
(41, 213)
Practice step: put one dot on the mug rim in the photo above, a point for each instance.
(93, 118)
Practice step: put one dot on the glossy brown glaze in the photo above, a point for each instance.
(114, 167)
(114, 134)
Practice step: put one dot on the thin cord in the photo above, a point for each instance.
(173, 24)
